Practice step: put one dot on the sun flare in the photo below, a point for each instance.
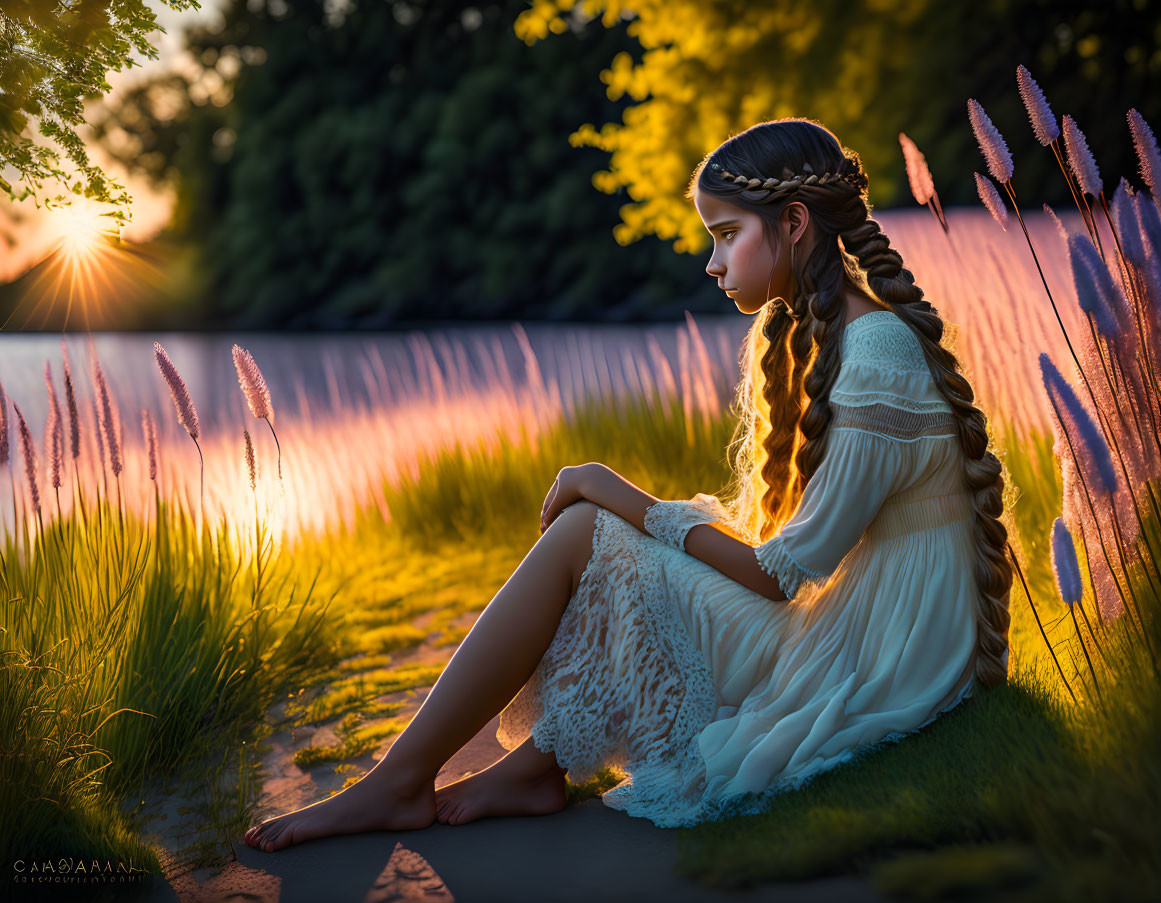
(90, 278)
(82, 229)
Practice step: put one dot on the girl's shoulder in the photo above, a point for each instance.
(882, 336)
(882, 362)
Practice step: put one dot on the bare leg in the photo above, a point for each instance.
(489, 668)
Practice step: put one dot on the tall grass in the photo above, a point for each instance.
(1107, 434)
(496, 488)
(131, 648)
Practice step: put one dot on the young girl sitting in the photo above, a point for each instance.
(851, 589)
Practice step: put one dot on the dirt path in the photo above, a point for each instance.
(587, 852)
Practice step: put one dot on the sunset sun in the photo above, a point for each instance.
(82, 228)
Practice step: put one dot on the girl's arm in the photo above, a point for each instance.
(723, 551)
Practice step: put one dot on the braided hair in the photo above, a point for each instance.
(791, 355)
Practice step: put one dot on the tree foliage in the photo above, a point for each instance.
(55, 54)
(867, 70)
(403, 162)
(363, 164)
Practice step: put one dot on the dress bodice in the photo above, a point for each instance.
(883, 363)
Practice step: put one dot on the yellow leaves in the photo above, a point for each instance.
(619, 77)
(606, 181)
(709, 71)
(534, 23)
(586, 136)
(548, 16)
(758, 104)
(904, 11)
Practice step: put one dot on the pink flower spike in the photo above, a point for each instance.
(1147, 152)
(186, 412)
(918, 174)
(1056, 219)
(992, 200)
(1043, 120)
(71, 404)
(53, 431)
(150, 441)
(249, 457)
(3, 427)
(1080, 158)
(29, 458)
(992, 145)
(252, 383)
(107, 422)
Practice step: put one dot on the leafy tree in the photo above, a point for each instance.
(403, 163)
(53, 55)
(423, 159)
(866, 69)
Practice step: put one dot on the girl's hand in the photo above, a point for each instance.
(564, 491)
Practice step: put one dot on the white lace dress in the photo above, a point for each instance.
(711, 697)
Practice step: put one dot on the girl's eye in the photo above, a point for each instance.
(729, 232)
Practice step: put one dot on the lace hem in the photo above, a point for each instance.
(670, 521)
(622, 684)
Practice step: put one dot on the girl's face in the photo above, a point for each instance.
(746, 267)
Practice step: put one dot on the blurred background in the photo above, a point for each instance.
(305, 165)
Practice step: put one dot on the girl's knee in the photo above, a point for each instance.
(580, 516)
(579, 522)
(584, 508)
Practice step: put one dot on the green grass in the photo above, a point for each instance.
(461, 495)
(356, 740)
(133, 654)
(1017, 793)
(129, 655)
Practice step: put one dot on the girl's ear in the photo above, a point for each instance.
(798, 219)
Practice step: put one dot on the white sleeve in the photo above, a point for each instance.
(858, 472)
(670, 521)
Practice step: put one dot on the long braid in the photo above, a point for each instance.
(774, 459)
(782, 388)
(895, 285)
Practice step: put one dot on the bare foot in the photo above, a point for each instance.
(374, 803)
(500, 790)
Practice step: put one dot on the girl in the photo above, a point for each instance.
(852, 588)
